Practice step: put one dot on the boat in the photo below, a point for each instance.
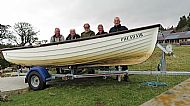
(127, 47)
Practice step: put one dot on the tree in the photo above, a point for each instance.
(182, 23)
(4, 32)
(26, 33)
(188, 20)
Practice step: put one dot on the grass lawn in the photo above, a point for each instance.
(96, 92)
(100, 92)
(180, 63)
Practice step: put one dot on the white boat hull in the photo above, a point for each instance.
(127, 48)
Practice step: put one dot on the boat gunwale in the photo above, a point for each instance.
(82, 39)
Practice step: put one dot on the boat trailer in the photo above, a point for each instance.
(37, 77)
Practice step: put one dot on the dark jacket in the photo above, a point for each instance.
(87, 34)
(76, 36)
(101, 33)
(118, 28)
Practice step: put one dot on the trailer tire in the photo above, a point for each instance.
(35, 81)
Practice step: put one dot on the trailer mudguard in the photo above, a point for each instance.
(42, 71)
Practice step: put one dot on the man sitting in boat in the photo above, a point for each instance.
(72, 35)
(101, 30)
(57, 37)
(117, 27)
(87, 32)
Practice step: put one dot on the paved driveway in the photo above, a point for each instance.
(12, 83)
(177, 96)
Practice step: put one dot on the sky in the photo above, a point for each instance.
(46, 15)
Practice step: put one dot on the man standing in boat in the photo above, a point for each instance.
(72, 35)
(117, 27)
(101, 30)
(57, 37)
(87, 32)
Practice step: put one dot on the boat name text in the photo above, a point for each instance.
(131, 37)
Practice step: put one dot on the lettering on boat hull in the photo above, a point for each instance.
(131, 37)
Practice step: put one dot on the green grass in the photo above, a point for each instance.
(180, 63)
(99, 92)
(96, 92)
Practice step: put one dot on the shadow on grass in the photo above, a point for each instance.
(134, 81)
(86, 82)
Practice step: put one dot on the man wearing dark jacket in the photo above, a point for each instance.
(72, 35)
(117, 27)
(101, 30)
(87, 32)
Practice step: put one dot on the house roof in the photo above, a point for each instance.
(170, 36)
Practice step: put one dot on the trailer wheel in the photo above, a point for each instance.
(35, 82)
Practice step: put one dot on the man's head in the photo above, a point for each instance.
(86, 27)
(117, 21)
(57, 32)
(72, 32)
(100, 28)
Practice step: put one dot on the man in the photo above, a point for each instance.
(72, 35)
(101, 30)
(117, 27)
(57, 37)
(87, 32)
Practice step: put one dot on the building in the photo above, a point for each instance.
(179, 38)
